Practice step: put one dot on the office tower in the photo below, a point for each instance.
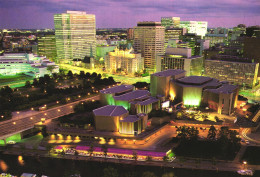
(197, 27)
(180, 58)
(232, 69)
(217, 39)
(194, 43)
(124, 60)
(75, 33)
(149, 41)
(170, 22)
(130, 33)
(173, 34)
(47, 47)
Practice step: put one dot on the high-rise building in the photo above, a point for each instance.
(47, 47)
(170, 22)
(75, 33)
(130, 33)
(180, 58)
(124, 60)
(197, 27)
(173, 34)
(149, 41)
(232, 69)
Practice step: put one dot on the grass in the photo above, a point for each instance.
(4, 79)
(252, 155)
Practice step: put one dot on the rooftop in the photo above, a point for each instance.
(147, 101)
(137, 94)
(197, 80)
(130, 118)
(226, 88)
(110, 110)
(117, 89)
(169, 72)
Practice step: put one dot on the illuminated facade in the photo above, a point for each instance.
(124, 60)
(197, 27)
(102, 51)
(117, 119)
(217, 39)
(180, 58)
(47, 47)
(75, 33)
(29, 64)
(170, 22)
(173, 33)
(160, 82)
(239, 73)
(137, 101)
(149, 41)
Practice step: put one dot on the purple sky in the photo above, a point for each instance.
(126, 13)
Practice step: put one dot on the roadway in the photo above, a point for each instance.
(10, 127)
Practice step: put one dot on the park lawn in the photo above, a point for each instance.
(4, 79)
(205, 150)
(252, 155)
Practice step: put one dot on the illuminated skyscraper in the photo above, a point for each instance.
(75, 33)
(149, 41)
(170, 22)
(197, 27)
(47, 47)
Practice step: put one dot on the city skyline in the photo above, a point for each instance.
(117, 14)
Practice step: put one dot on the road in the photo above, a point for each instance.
(12, 126)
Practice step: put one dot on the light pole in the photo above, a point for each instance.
(245, 165)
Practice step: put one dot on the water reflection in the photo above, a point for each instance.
(20, 160)
(3, 166)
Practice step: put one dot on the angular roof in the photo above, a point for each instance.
(137, 94)
(226, 88)
(130, 118)
(146, 102)
(110, 110)
(197, 80)
(117, 89)
(169, 72)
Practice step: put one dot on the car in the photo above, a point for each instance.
(11, 142)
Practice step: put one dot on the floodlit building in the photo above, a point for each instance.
(130, 33)
(232, 69)
(197, 27)
(180, 58)
(173, 34)
(137, 101)
(124, 60)
(160, 82)
(149, 41)
(217, 39)
(75, 33)
(47, 47)
(117, 119)
(102, 51)
(170, 22)
(29, 64)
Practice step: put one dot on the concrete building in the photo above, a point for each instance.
(149, 41)
(137, 101)
(160, 82)
(130, 33)
(75, 33)
(217, 39)
(47, 47)
(170, 22)
(106, 95)
(173, 34)
(29, 64)
(197, 27)
(117, 119)
(124, 60)
(102, 51)
(180, 58)
(194, 90)
(232, 69)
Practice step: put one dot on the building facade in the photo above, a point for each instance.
(170, 22)
(124, 60)
(75, 33)
(197, 27)
(235, 72)
(47, 47)
(149, 41)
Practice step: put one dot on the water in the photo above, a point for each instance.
(53, 167)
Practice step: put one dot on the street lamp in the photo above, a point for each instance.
(244, 163)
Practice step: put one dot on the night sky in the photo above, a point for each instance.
(28, 14)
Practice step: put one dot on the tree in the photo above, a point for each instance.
(70, 74)
(35, 82)
(148, 174)
(91, 149)
(134, 155)
(193, 133)
(182, 133)
(27, 84)
(169, 174)
(110, 172)
(50, 68)
(104, 149)
(82, 74)
(165, 158)
(212, 133)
